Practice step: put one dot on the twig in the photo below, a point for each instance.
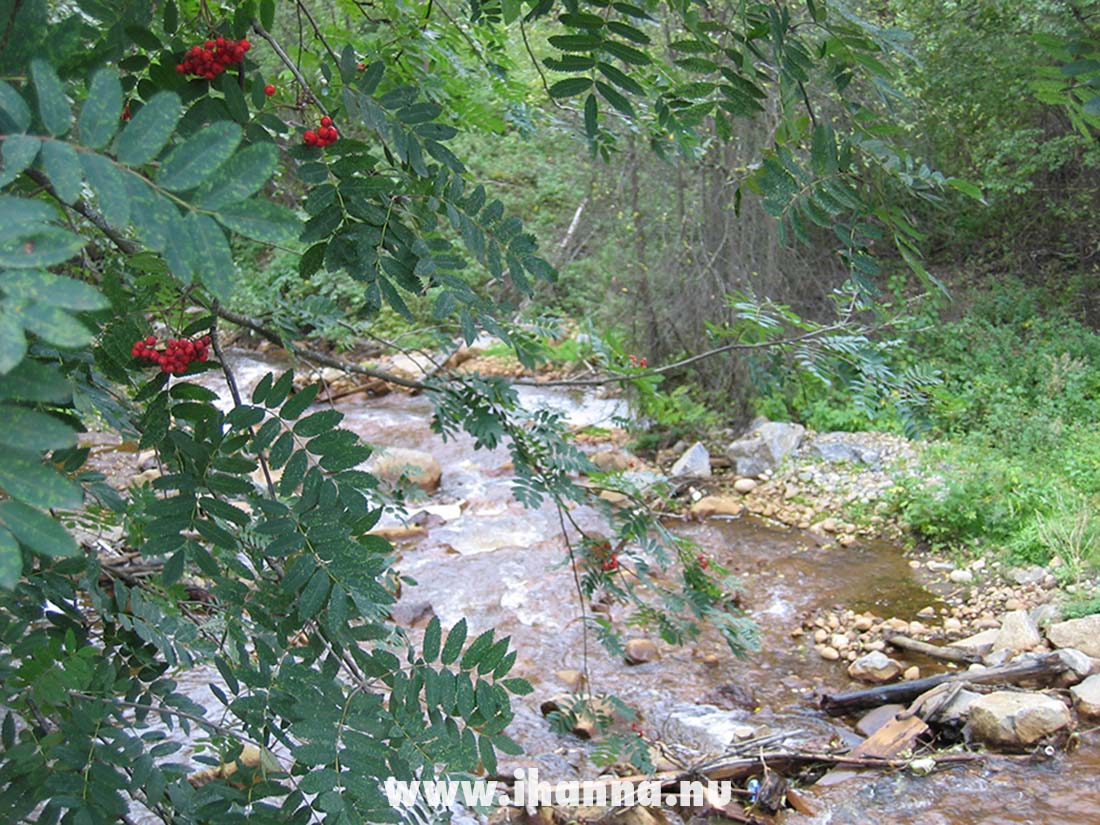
(317, 31)
(683, 362)
(290, 64)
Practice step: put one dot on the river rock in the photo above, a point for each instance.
(834, 447)
(957, 711)
(1086, 697)
(961, 576)
(830, 654)
(980, 643)
(717, 506)
(1016, 720)
(1033, 574)
(417, 466)
(745, 485)
(695, 462)
(1082, 634)
(640, 651)
(1018, 632)
(1078, 666)
(613, 461)
(764, 447)
(1046, 614)
(706, 728)
(875, 667)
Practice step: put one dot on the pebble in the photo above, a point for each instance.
(911, 673)
(960, 576)
(830, 654)
(745, 485)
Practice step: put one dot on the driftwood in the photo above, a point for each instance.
(946, 654)
(841, 704)
(895, 736)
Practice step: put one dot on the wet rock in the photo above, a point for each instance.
(1086, 697)
(875, 719)
(695, 462)
(911, 674)
(875, 667)
(1016, 720)
(705, 727)
(1018, 632)
(640, 651)
(1082, 634)
(745, 485)
(417, 466)
(764, 447)
(834, 447)
(730, 695)
(717, 506)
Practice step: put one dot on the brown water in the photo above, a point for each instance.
(496, 564)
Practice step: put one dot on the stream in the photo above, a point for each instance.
(491, 561)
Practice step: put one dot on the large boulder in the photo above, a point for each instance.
(1016, 720)
(1018, 633)
(419, 467)
(875, 667)
(1086, 697)
(695, 462)
(764, 447)
(1082, 634)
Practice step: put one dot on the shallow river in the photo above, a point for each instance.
(491, 561)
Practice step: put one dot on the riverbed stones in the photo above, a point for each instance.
(1082, 634)
(829, 654)
(417, 466)
(764, 447)
(694, 463)
(709, 506)
(1018, 633)
(1016, 720)
(961, 576)
(1078, 666)
(640, 651)
(876, 668)
(1086, 697)
(745, 485)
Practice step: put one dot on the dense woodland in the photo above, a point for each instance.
(855, 216)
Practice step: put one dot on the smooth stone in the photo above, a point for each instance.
(717, 506)
(875, 667)
(745, 485)
(1016, 720)
(419, 467)
(640, 651)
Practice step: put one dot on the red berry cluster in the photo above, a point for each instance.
(324, 135)
(213, 57)
(177, 355)
(635, 361)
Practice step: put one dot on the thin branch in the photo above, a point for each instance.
(317, 31)
(290, 64)
(683, 362)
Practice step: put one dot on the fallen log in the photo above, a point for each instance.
(842, 704)
(946, 654)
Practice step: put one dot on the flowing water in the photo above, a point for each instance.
(498, 565)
